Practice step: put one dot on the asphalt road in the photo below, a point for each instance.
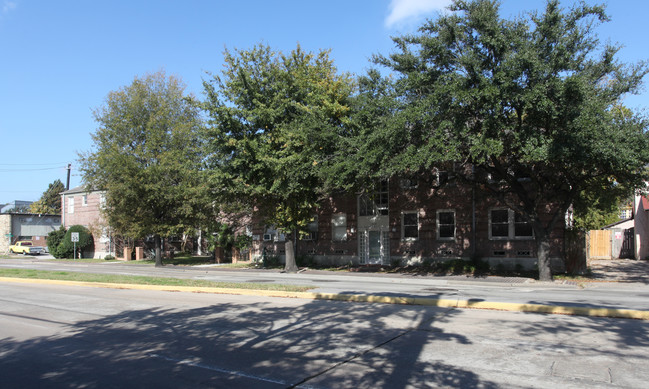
(57, 336)
(615, 295)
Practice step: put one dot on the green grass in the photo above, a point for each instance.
(179, 260)
(144, 280)
(82, 260)
(587, 277)
(239, 265)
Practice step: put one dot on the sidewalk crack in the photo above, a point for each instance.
(363, 352)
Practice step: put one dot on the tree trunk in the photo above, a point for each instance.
(158, 251)
(543, 256)
(290, 266)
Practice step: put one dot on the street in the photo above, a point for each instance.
(509, 290)
(71, 336)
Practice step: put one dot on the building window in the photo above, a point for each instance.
(506, 224)
(408, 183)
(440, 178)
(339, 227)
(375, 203)
(626, 213)
(84, 200)
(311, 230)
(499, 223)
(446, 224)
(522, 229)
(410, 225)
(71, 205)
(273, 234)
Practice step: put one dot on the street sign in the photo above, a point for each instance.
(9, 235)
(74, 236)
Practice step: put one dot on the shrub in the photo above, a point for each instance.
(304, 261)
(54, 240)
(518, 268)
(500, 269)
(272, 261)
(480, 265)
(66, 247)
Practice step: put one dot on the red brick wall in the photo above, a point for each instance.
(427, 200)
(85, 215)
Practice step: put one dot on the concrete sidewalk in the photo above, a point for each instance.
(393, 298)
(620, 270)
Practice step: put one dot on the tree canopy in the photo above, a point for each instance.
(529, 104)
(147, 157)
(528, 109)
(273, 117)
(50, 201)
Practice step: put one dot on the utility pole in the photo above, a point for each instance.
(67, 184)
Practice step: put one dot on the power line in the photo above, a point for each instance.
(33, 164)
(31, 170)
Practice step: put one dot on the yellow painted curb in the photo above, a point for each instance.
(445, 303)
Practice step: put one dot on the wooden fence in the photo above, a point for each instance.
(610, 244)
(599, 244)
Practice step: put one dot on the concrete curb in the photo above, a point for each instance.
(403, 300)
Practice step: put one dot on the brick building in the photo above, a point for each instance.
(411, 222)
(26, 226)
(80, 206)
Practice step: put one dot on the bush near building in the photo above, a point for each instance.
(60, 242)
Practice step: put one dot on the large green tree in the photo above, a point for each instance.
(147, 156)
(50, 201)
(272, 116)
(527, 105)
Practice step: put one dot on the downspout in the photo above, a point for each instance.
(63, 210)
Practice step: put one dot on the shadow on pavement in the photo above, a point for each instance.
(239, 345)
(620, 270)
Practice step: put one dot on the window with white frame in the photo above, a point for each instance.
(339, 227)
(71, 204)
(84, 200)
(504, 223)
(446, 224)
(410, 225)
(273, 234)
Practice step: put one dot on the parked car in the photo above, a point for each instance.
(25, 247)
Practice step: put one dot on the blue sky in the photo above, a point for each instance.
(59, 59)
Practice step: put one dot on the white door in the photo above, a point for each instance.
(374, 247)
